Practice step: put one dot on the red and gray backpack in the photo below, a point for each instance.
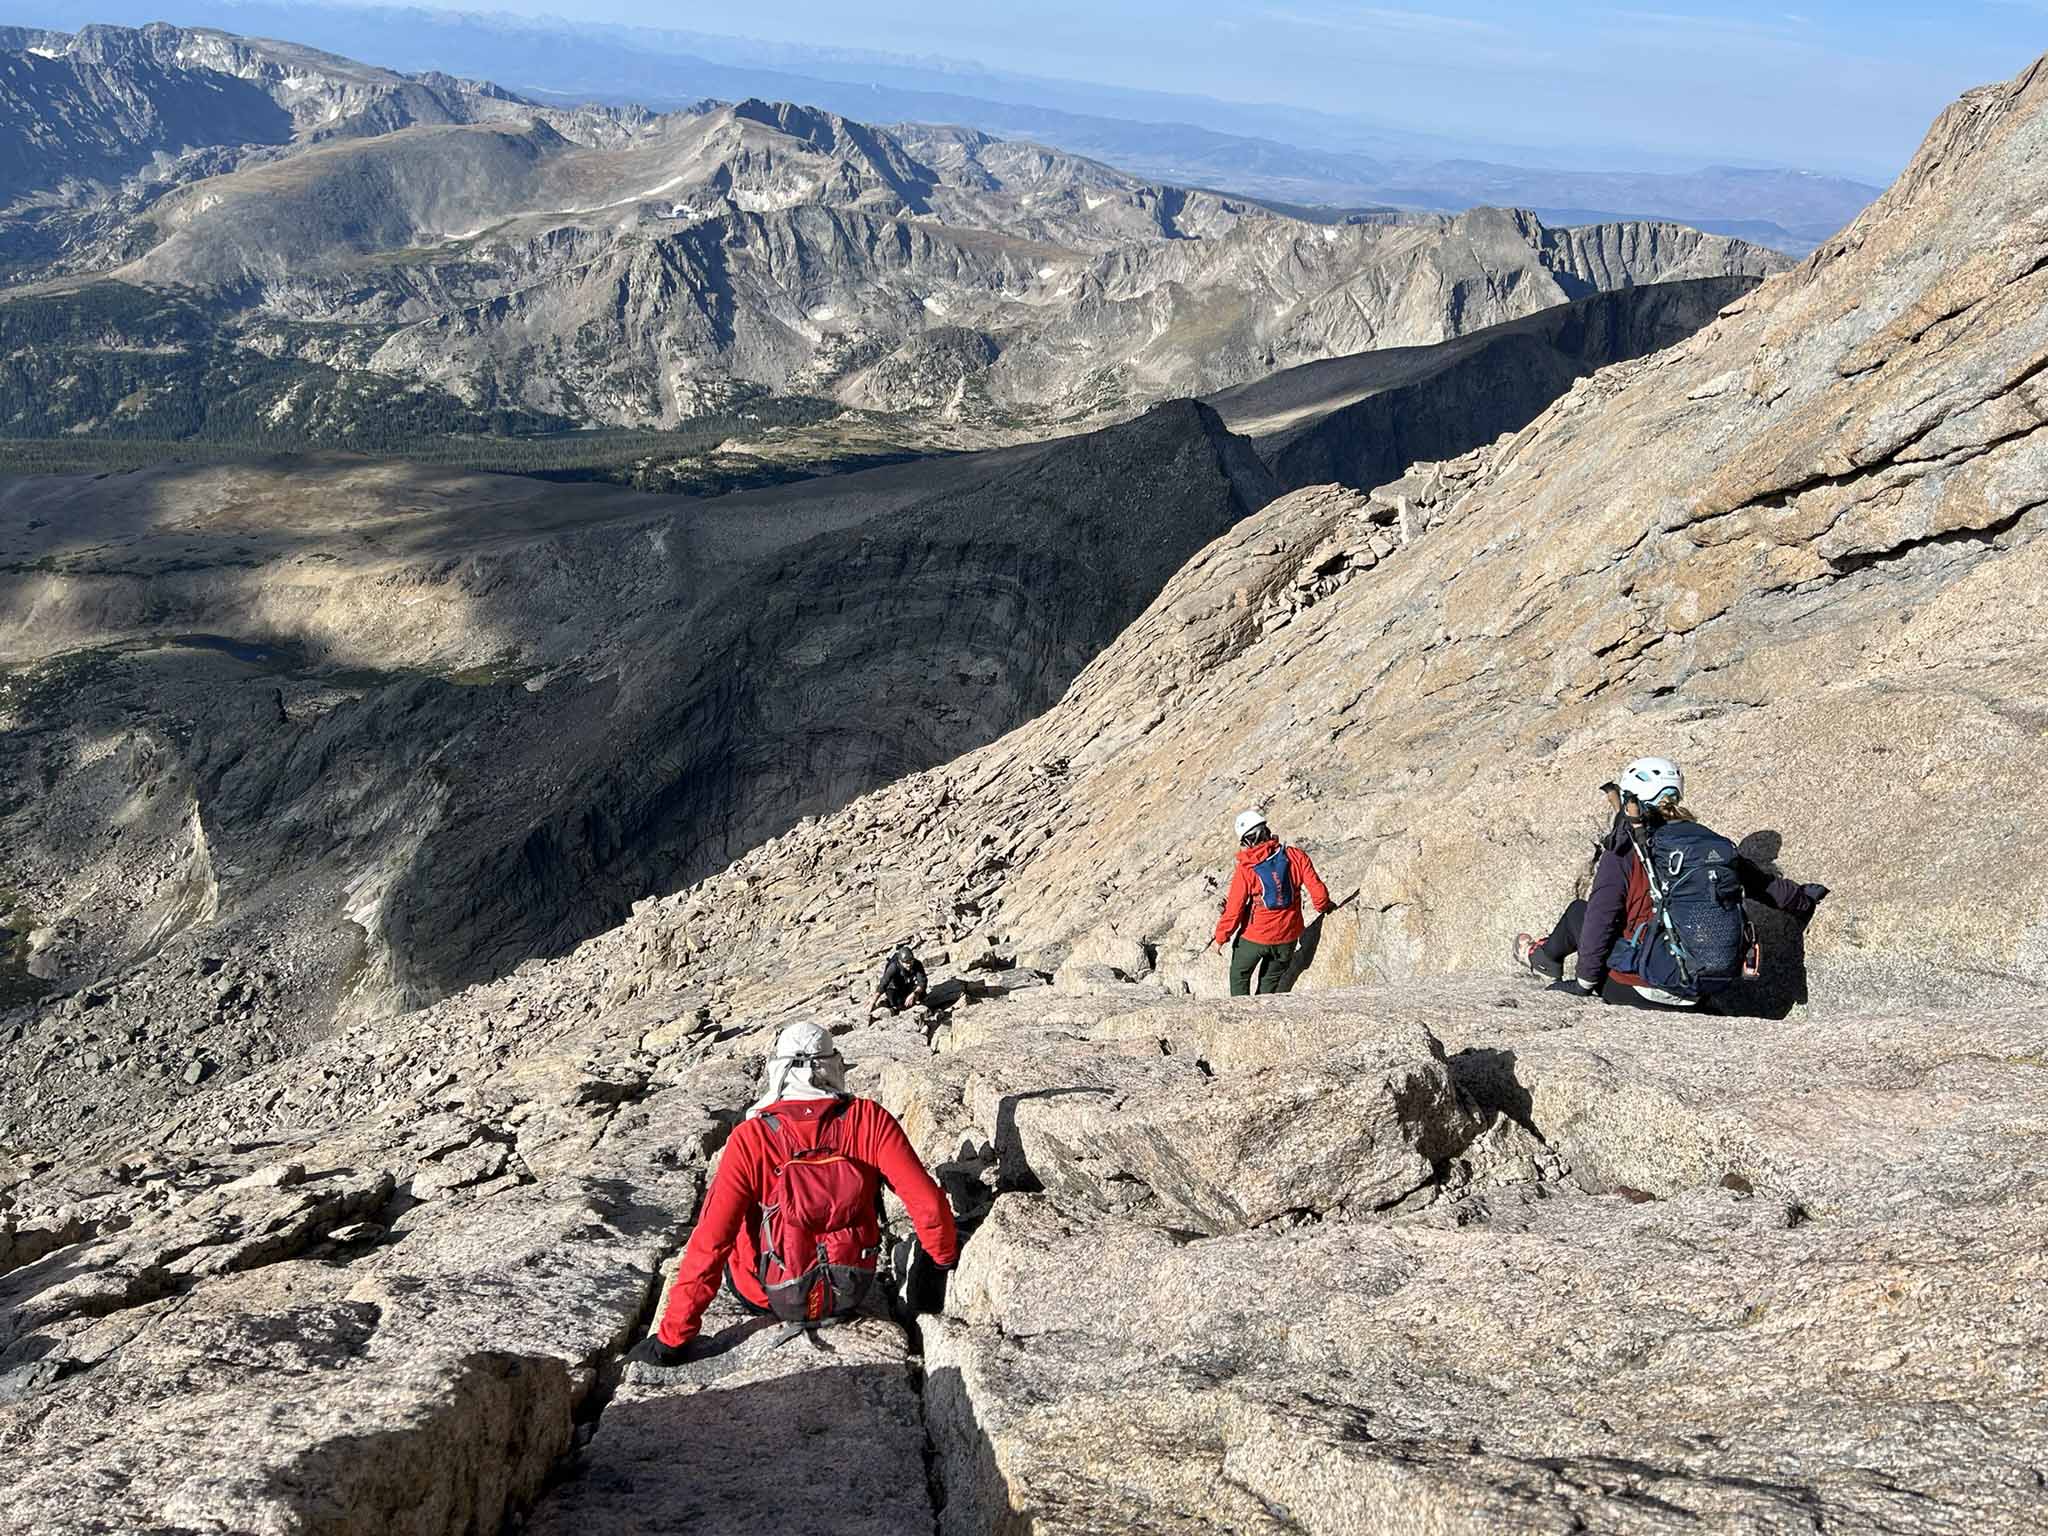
(819, 1238)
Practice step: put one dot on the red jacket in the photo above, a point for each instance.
(730, 1220)
(1244, 909)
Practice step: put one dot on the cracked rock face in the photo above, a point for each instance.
(394, 1331)
(1635, 1284)
(1739, 1343)
(1167, 1140)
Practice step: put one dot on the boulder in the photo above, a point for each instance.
(1592, 1363)
(1109, 945)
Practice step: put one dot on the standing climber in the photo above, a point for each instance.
(1261, 918)
(791, 1217)
(1664, 925)
(903, 982)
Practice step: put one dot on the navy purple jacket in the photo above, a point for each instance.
(1619, 903)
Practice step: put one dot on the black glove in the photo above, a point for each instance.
(920, 1284)
(1815, 895)
(1574, 987)
(651, 1351)
(925, 1290)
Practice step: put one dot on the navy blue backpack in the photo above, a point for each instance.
(1276, 881)
(1697, 937)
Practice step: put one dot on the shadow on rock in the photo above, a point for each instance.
(1487, 1077)
(614, 1200)
(1782, 987)
(1013, 1169)
(1304, 953)
(482, 1451)
(969, 1490)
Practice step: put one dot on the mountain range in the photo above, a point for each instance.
(1282, 153)
(306, 246)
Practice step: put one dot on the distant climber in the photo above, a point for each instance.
(792, 1215)
(903, 982)
(1664, 925)
(1261, 918)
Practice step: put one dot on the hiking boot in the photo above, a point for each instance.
(1529, 954)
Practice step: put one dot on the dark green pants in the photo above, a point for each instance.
(1271, 961)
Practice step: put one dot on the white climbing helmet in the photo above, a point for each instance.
(1249, 821)
(1651, 780)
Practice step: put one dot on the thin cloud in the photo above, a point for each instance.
(1715, 26)
(1372, 18)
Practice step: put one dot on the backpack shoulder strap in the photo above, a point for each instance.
(1660, 897)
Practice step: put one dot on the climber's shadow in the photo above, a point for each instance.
(1782, 986)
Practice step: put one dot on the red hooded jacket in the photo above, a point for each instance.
(729, 1224)
(1246, 914)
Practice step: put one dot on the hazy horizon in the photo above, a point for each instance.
(1833, 86)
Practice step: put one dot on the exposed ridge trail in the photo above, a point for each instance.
(1420, 1247)
(1191, 1180)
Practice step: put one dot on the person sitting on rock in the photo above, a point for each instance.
(1657, 860)
(1261, 918)
(903, 982)
(792, 1215)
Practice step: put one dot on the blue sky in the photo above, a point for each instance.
(1834, 85)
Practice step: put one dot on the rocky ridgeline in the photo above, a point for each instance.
(1408, 1250)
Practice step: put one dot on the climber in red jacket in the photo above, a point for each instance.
(1261, 918)
(814, 1154)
